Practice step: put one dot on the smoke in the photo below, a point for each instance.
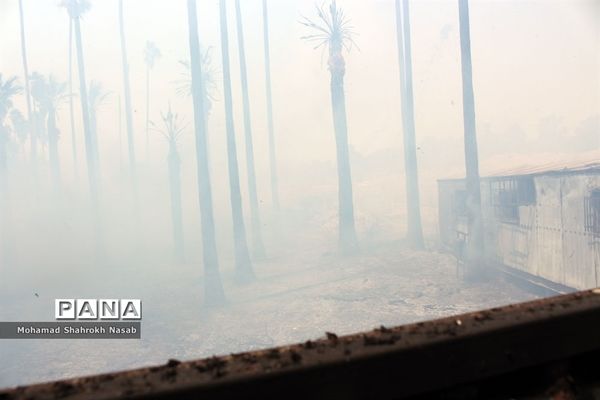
(532, 81)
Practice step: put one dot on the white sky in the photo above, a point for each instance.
(536, 71)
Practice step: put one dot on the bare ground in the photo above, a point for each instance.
(295, 297)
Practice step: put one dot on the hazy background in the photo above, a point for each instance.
(536, 72)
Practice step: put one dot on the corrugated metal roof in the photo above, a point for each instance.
(538, 164)
(553, 166)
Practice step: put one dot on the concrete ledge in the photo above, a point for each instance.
(406, 361)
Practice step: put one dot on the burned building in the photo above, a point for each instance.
(541, 223)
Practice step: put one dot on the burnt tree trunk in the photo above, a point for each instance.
(213, 288)
(475, 246)
(347, 233)
(414, 232)
(243, 264)
(176, 210)
(272, 153)
(53, 148)
(257, 242)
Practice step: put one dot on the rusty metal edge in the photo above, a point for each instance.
(398, 362)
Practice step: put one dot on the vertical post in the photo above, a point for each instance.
(147, 112)
(413, 210)
(30, 124)
(243, 264)
(71, 108)
(213, 294)
(120, 136)
(272, 157)
(475, 247)
(257, 242)
(127, 90)
(129, 121)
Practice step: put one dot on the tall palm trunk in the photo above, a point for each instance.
(32, 130)
(93, 173)
(176, 210)
(71, 109)
(53, 147)
(37, 130)
(213, 289)
(206, 97)
(475, 249)
(347, 233)
(147, 111)
(3, 155)
(257, 242)
(6, 244)
(242, 257)
(120, 135)
(128, 114)
(272, 156)
(413, 209)
(94, 129)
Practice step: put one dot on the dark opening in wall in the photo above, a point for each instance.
(592, 213)
(508, 194)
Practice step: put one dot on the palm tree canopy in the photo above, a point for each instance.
(172, 128)
(209, 79)
(151, 54)
(332, 30)
(48, 93)
(8, 89)
(97, 96)
(76, 8)
(19, 124)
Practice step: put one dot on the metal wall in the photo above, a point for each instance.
(548, 239)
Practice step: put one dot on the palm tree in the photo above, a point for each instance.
(242, 255)
(129, 123)
(20, 127)
(40, 109)
(272, 156)
(26, 80)
(413, 209)
(183, 86)
(71, 96)
(213, 288)
(120, 129)
(151, 54)
(172, 131)
(49, 94)
(8, 89)
(97, 97)
(209, 86)
(333, 31)
(475, 245)
(257, 242)
(127, 91)
(76, 8)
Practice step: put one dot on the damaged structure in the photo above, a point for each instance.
(541, 223)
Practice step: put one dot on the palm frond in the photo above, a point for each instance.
(151, 54)
(172, 127)
(19, 124)
(8, 89)
(183, 86)
(332, 29)
(76, 8)
(97, 96)
(47, 92)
